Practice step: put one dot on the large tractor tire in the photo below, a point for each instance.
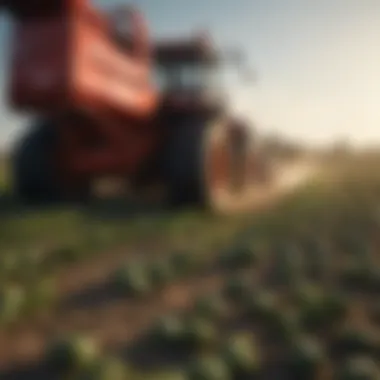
(203, 164)
(33, 168)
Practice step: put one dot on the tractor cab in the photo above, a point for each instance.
(188, 74)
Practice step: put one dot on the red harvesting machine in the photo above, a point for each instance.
(110, 102)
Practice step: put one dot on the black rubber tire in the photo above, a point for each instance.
(182, 164)
(33, 171)
(188, 170)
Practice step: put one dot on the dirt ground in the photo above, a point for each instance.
(287, 177)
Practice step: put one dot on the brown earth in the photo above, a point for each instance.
(287, 177)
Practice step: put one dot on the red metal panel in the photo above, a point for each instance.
(123, 150)
(104, 76)
(39, 63)
(71, 59)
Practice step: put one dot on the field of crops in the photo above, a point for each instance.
(289, 293)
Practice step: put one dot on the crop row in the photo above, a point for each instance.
(277, 306)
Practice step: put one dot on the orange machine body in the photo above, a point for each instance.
(90, 75)
(67, 57)
(68, 65)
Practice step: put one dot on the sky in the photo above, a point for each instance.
(317, 61)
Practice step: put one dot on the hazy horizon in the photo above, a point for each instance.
(318, 62)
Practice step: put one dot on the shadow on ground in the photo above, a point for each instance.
(111, 209)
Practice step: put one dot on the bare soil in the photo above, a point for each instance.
(287, 177)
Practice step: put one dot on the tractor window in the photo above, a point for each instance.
(184, 76)
(167, 77)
